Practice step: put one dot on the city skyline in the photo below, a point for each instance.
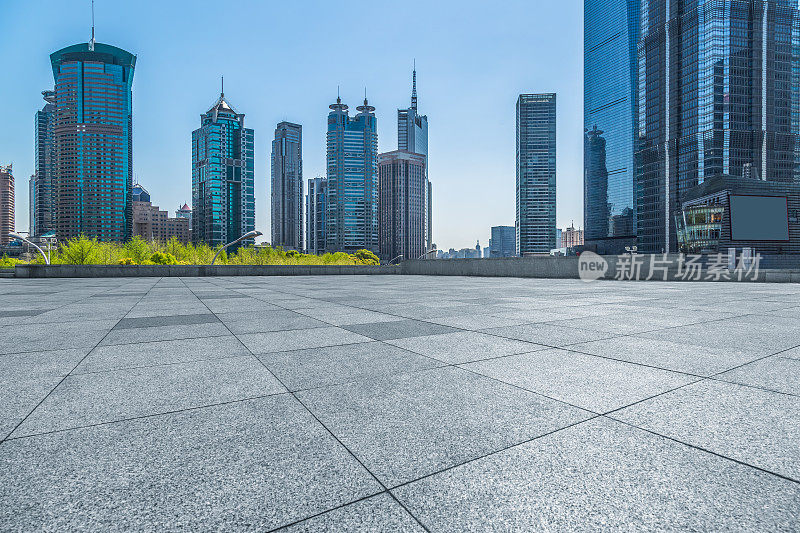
(471, 170)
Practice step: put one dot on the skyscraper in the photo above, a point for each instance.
(42, 210)
(536, 173)
(351, 219)
(611, 33)
(287, 186)
(93, 137)
(412, 136)
(503, 241)
(719, 94)
(6, 203)
(315, 215)
(402, 204)
(223, 196)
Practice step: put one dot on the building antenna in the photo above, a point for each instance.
(91, 43)
(222, 88)
(414, 87)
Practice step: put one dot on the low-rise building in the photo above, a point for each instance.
(153, 224)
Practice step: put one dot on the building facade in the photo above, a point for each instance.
(93, 139)
(412, 136)
(403, 192)
(6, 203)
(351, 218)
(536, 174)
(41, 209)
(152, 224)
(223, 196)
(572, 237)
(315, 215)
(719, 94)
(503, 241)
(287, 186)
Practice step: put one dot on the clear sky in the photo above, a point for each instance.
(283, 61)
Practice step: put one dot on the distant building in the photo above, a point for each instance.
(351, 218)
(502, 242)
(41, 194)
(487, 252)
(223, 197)
(287, 186)
(315, 215)
(412, 136)
(6, 203)
(559, 239)
(402, 204)
(152, 224)
(536, 173)
(184, 212)
(93, 141)
(571, 237)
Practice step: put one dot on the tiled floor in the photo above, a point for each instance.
(394, 403)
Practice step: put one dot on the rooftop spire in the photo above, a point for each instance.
(222, 86)
(414, 88)
(91, 43)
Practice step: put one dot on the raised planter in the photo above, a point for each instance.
(115, 271)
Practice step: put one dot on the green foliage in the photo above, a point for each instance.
(9, 262)
(137, 249)
(161, 258)
(126, 261)
(365, 257)
(79, 251)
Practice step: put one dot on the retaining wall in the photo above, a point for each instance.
(114, 271)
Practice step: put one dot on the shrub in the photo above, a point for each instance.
(126, 261)
(365, 257)
(79, 251)
(9, 262)
(137, 249)
(161, 258)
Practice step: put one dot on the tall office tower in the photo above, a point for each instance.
(42, 212)
(402, 204)
(315, 215)
(719, 94)
(502, 242)
(6, 203)
(93, 136)
(223, 196)
(536, 173)
(287, 186)
(412, 136)
(610, 58)
(351, 218)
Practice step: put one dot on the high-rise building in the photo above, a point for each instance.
(287, 186)
(719, 94)
(223, 196)
(6, 203)
(93, 138)
(412, 136)
(503, 241)
(572, 237)
(351, 218)
(403, 193)
(610, 58)
(152, 224)
(315, 215)
(536, 173)
(41, 208)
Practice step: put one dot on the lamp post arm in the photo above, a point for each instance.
(23, 239)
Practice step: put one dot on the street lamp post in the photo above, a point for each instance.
(249, 235)
(392, 260)
(23, 239)
(426, 254)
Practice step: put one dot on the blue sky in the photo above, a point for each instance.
(283, 61)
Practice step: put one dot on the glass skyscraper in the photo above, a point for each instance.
(351, 219)
(719, 94)
(611, 33)
(223, 197)
(287, 186)
(315, 215)
(93, 141)
(503, 242)
(402, 204)
(536, 173)
(42, 210)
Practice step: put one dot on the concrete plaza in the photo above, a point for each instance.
(398, 403)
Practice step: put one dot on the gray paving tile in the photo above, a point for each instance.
(781, 374)
(464, 346)
(115, 357)
(21, 313)
(252, 465)
(476, 321)
(348, 316)
(409, 425)
(794, 353)
(165, 333)
(603, 476)
(548, 334)
(86, 399)
(757, 427)
(280, 320)
(177, 320)
(398, 329)
(27, 378)
(303, 369)
(589, 382)
(279, 341)
(378, 514)
(56, 336)
(689, 358)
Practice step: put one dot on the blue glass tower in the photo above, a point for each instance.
(351, 221)
(611, 33)
(223, 196)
